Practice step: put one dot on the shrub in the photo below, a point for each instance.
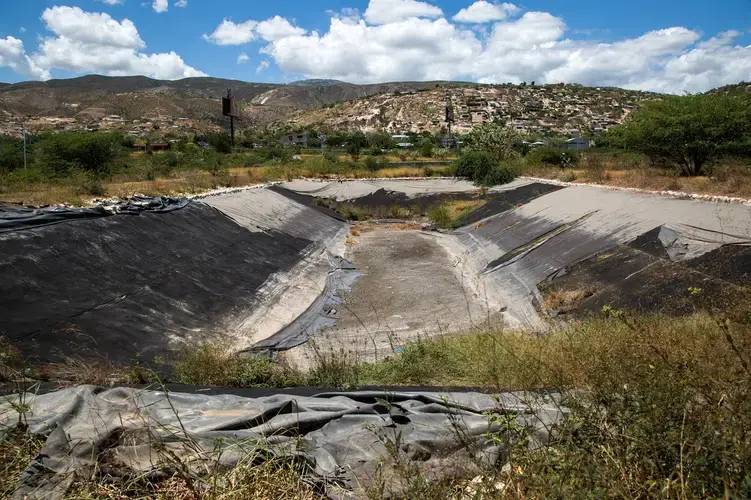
(90, 152)
(474, 165)
(480, 168)
(322, 166)
(551, 156)
(354, 151)
(331, 158)
(501, 174)
(92, 187)
(426, 148)
(11, 154)
(277, 153)
(441, 216)
(220, 141)
(372, 164)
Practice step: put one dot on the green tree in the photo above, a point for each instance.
(426, 148)
(498, 141)
(482, 169)
(381, 140)
(335, 139)
(91, 152)
(688, 131)
(354, 149)
(220, 141)
(11, 153)
(357, 139)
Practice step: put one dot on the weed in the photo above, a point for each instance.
(92, 187)
(17, 449)
(10, 361)
(353, 212)
(215, 364)
(441, 216)
(449, 214)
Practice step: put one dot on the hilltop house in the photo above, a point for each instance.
(577, 143)
(302, 140)
(402, 140)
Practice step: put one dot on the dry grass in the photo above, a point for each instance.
(566, 300)
(183, 182)
(662, 406)
(449, 214)
(661, 410)
(464, 207)
(17, 449)
(368, 227)
(728, 178)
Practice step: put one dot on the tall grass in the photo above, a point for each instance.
(661, 406)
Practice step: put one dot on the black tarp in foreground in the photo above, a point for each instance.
(343, 437)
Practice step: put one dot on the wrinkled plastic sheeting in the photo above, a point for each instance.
(350, 190)
(342, 436)
(17, 218)
(318, 316)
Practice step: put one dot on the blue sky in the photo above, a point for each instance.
(594, 42)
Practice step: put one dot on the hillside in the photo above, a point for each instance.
(742, 88)
(530, 109)
(93, 102)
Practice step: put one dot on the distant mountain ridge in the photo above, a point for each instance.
(135, 97)
(86, 101)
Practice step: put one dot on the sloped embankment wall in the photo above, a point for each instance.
(124, 286)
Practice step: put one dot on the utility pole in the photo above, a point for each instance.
(23, 127)
(449, 119)
(229, 108)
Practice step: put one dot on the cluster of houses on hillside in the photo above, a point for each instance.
(568, 110)
(11, 125)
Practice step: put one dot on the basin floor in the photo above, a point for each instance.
(411, 286)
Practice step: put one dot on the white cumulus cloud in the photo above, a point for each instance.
(416, 43)
(230, 33)
(113, 2)
(483, 11)
(13, 55)
(95, 42)
(160, 6)
(389, 11)
(181, 3)
(263, 66)
(92, 28)
(242, 58)
(349, 14)
(277, 28)
(411, 49)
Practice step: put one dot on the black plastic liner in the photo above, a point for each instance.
(640, 277)
(122, 287)
(17, 218)
(497, 201)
